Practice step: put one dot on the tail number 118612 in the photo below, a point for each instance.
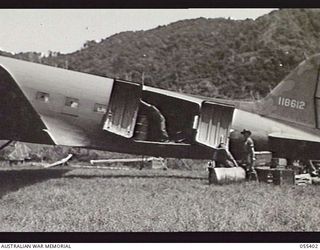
(291, 103)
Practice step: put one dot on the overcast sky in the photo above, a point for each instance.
(66, 30)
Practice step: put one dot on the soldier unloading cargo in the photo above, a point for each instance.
(226, 169)
(223, 157)
(159, 131)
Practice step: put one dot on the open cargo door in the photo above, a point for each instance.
(214, 123)
(123, 108)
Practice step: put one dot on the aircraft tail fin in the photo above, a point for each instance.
(296, 98)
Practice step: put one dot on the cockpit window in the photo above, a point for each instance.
(42, 96)
(100, 108)
(72, 102)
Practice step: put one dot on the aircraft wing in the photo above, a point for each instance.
(299, 137)
(63, 133)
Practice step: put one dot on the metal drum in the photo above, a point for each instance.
(226, 175)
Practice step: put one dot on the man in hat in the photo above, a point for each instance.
(248, 148)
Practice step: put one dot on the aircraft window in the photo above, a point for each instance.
(100, 108)
(72, 102)
(41, 96)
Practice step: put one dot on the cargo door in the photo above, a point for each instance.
(214, 124)
(123, 108)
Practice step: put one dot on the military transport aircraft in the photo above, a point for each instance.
(49, 105)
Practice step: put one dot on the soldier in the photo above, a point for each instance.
(248, 148)
(159, 126)
(223, 157)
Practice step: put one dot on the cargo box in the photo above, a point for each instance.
(263, 158)
(275, 176)
(303, 179)
(278, 162)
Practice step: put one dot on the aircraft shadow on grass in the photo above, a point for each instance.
(13, 180)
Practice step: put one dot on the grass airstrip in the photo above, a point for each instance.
(98, 200)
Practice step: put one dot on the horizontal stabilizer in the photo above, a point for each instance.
(287, 136)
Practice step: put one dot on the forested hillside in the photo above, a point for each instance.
(241, 59)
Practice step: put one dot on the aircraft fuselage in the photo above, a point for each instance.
(262, 127)
(41, 104)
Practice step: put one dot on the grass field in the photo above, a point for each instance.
(90, 200)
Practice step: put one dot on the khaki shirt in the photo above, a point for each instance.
(248, 146)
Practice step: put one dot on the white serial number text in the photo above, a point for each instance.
(291, 103)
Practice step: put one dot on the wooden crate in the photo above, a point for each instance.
(303, 179)
(263, 158)
(278, 162)
(276, 176)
